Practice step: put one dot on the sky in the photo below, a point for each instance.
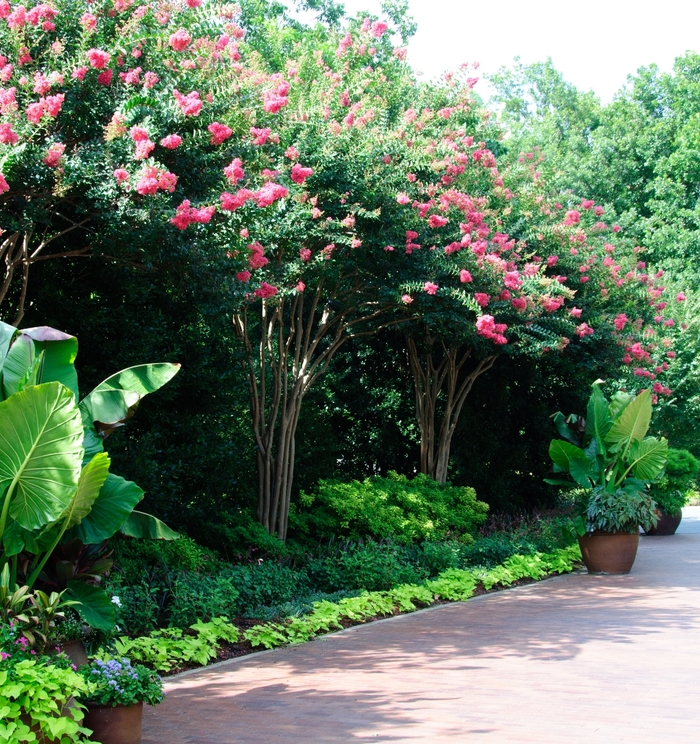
(596, 44)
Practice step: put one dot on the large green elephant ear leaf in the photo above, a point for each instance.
(114, 401)
(94, 605)
(598, 421)
(7, 333)
(58, 358)
(92, 478)
(648, 458)
(568, 458)
(110, 510)
(40, 453)
(633, 423)
(44, 353)
(142, 525)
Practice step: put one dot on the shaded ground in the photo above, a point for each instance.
(574, 659)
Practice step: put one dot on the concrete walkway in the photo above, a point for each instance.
(573, 659)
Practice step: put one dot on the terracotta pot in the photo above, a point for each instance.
(75, 651)
(667, 524)
(120, 724)
(609, 552)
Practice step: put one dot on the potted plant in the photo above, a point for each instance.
(670, 492)
(37, 691)
(609, 456)
(116, 692)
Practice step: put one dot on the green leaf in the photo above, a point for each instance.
(40, 452)
(648, 458)
(598, 421)
(618, 403)
(94, 605)
(147, 527)
(19, 360)
(92, 478)
(59, 352)
(7, 333)
(114, 401)
(564, 430)
(563, 452)
(633, 423)
(13, 539)
(116, 501)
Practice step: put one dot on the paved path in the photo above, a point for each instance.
(574, 659)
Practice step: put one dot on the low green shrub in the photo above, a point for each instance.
(391, 507)
(137, 606)
(364, 565)
(134, 557)
(197, 596)
(672, 490)
(266, 583)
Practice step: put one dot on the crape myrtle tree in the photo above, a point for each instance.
(325, 194)
(495, 265)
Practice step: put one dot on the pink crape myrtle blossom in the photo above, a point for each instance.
(299, 174)
(269, 194)
(7, 135)
(256, 258)
(98, 59)
(378, 29)
(430, 288)
(266, 290)
(171, 141)
(487, 327)
(219, 133)
(231, 202)
(186, 215)
(189, 104)
(180, 40)
(54, 154)
(234, 171)
(4, 186)
(243, 276)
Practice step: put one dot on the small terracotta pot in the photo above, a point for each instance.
(667, 524)
(119, 724)
(75, 651)
(609, 552)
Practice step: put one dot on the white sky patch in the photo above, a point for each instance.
(596, 44)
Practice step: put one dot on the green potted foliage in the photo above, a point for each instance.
(670, 492)
(610, 458)
(116, 692)
(58, 501)
(37, 692)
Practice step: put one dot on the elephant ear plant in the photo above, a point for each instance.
(58, 501)
(609, 455)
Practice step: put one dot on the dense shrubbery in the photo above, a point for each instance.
(392, 507)
(174, 584)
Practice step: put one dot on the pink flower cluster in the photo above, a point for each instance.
(189, 104)
(487, 327)
(234, 171)
(153, 180)
(219, 132)
(54, 154)
(266, 290)
(171, 141)
(276, 98)
(180, 40)
(185, 215)
(300, 174)
(50, 105)
(256, 258)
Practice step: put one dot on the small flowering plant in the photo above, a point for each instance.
(117, 682)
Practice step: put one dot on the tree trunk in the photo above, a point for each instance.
(296, 341)
(430, 381)
(17, 257)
